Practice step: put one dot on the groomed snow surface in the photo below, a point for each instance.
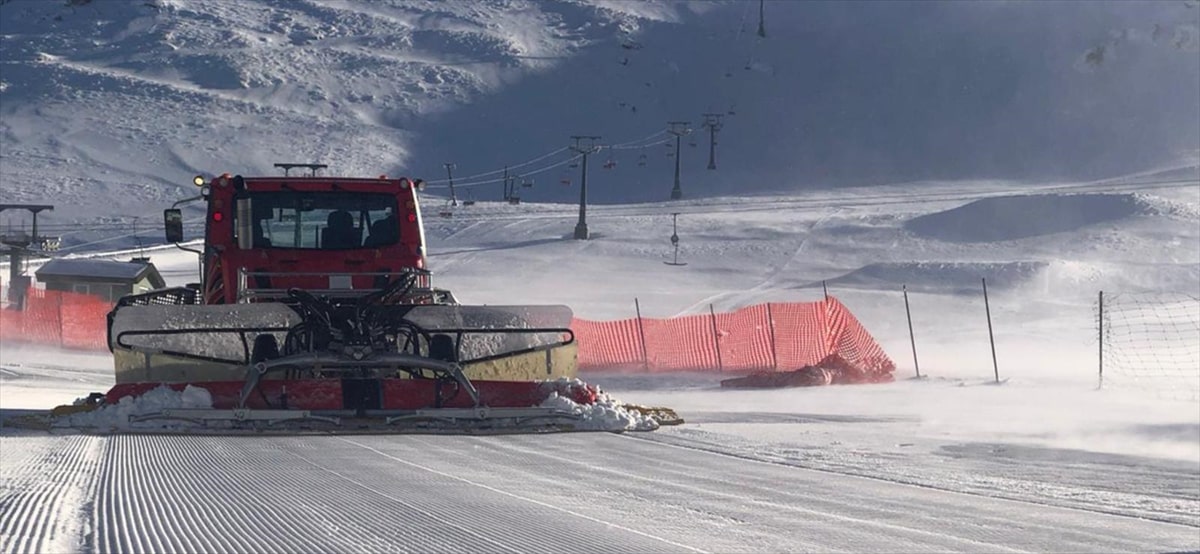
(951, 462)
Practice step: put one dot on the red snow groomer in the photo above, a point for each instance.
(315, 310)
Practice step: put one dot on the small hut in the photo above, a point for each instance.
(106, 279)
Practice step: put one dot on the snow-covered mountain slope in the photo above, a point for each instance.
(117, 103)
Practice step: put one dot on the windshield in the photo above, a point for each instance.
(324, 220)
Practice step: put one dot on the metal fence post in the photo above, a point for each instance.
(61, 321)
(716, 341)
(642, 334)
(991, 337)
(912, 339)
(1100, 376)
(774, 355)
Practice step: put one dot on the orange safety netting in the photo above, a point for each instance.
(57, 318)
(764, 337)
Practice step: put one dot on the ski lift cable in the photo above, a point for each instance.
(635, 144)
(467, 181)
(639, 143)
(742, 24)
(501, 180)
(495, 171)
(748, 56)
(116, 237)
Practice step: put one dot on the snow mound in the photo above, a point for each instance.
(115, 417)
(605, 414)
(1016, 217)
(1155, 205)
(949, 277)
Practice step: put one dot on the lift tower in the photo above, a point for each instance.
(19, 246)
(679, 129)
(584, 145)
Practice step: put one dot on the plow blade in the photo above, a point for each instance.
(351, 406)
(435, 421)
(349, 366)
(199, 343)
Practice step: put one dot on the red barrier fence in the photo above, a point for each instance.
(765, 337)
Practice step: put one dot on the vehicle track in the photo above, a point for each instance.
(45, 486)
(582, 492)
(783, 506)
(1121, 487)
(165, 493)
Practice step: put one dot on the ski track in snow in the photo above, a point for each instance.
(583, 492)
(770, 280)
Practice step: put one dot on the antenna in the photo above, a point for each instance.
(138, 237)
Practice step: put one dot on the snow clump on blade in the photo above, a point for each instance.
(605, 414)
(116, 416)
